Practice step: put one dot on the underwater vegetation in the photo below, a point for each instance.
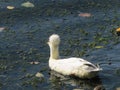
(89, 29)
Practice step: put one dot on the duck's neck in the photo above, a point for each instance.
(54, 52)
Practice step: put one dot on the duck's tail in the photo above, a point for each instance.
(98, 64)
(97, 69)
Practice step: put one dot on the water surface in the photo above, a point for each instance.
(26, 31)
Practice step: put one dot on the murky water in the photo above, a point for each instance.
(87, 30)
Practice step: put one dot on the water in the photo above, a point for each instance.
(26, 32)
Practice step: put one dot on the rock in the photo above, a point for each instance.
(118, 88)
(10, 7)
(27, 4)
(40, 75)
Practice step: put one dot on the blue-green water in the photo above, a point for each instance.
(27, 31)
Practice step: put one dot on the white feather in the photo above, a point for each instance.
(69, 66)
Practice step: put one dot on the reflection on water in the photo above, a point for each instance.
(60, 82)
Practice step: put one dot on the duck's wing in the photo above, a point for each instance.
(71, 64)
(90, 67)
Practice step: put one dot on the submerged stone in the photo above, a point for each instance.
(27, 4)
(40, 75)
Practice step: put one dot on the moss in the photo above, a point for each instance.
(82, 53)
(28, 75)
(83, 32)
(117, 71)
(32, 51)
(66, 52)
(1, 84)
(33, 82)
(24, 70)
(92, 44)
(3, 67)
(57, 26)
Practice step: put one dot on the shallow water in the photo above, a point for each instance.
(26, 31)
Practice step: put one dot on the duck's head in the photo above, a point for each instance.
(54, 40)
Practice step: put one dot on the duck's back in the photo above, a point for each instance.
(73, 66)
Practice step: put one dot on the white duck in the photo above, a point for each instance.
(69, 66)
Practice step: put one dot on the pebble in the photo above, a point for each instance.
(40, 75)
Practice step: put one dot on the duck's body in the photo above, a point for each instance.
(70, 66)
